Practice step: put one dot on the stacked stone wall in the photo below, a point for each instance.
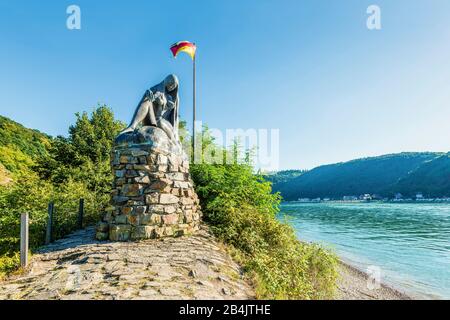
(152, 196)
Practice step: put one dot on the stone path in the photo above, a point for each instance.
(79, 267)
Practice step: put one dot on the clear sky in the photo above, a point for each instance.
(336, 90)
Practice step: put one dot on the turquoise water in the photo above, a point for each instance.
(409, 242)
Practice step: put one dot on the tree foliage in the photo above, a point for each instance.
(20, 147)
(67, 170)
(241, 210)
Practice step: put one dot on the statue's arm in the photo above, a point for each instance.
(148, 96)
(151, 114)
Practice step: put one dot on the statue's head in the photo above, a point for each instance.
(171, 82)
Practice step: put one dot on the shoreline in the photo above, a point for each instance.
(352, 285)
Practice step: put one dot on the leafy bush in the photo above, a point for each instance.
(67, 170)
(241, 211)
(8, 264)
(32, 195)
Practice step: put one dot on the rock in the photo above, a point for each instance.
(226, 291)
(181, 184)
(187, 201)
(170, 219)
(168, 231)
(176, 176)
(152, 192)
(133, 220)
(102, 227)
(159, 184)
(132, 190)
(130, 173)
(169, 292)
(188, 216)
(159, 232)
(150, 219)
(120, 232)
(188, 193)
(143, 167)
(142, 160)
(139, 210)
(121, 219)
(120, 199)
(157, 208)
(168, 199)
(170, 209)
(143, 232)
(162, 159)
(193, 274)
(120, 173)
(152, 198)
(102, 236)
(142, 180)
(126, 210)
(138, 153)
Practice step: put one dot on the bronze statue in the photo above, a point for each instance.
(159, 108)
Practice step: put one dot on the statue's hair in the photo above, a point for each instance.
(172, 78)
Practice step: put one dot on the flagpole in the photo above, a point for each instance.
(194, 109)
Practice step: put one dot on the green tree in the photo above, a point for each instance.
(241, 209)
(74, 167)
(93, 137)
(84, 155)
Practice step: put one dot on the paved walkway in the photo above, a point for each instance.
(79, 267)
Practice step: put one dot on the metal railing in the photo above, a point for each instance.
(24, 230)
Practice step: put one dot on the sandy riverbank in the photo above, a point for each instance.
(353, 286)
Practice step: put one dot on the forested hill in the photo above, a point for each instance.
(284, 176)
(406, 173)
(19, 147)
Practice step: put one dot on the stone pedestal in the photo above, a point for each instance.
(153, 193)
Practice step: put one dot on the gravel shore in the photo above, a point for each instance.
(353, 286)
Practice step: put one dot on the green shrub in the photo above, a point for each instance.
(241, 211)
(62, 171)
(8, 264)
(32, 195)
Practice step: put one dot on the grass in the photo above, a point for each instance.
(9, 264)
(282, 267)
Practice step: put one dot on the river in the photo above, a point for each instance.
(409, 243)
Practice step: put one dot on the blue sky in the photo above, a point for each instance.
(312, 69)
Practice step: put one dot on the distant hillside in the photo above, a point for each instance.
(432, 179)
(19, 147)
(406, 173)
(284, 176)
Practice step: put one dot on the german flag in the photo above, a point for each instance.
(184, 46)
